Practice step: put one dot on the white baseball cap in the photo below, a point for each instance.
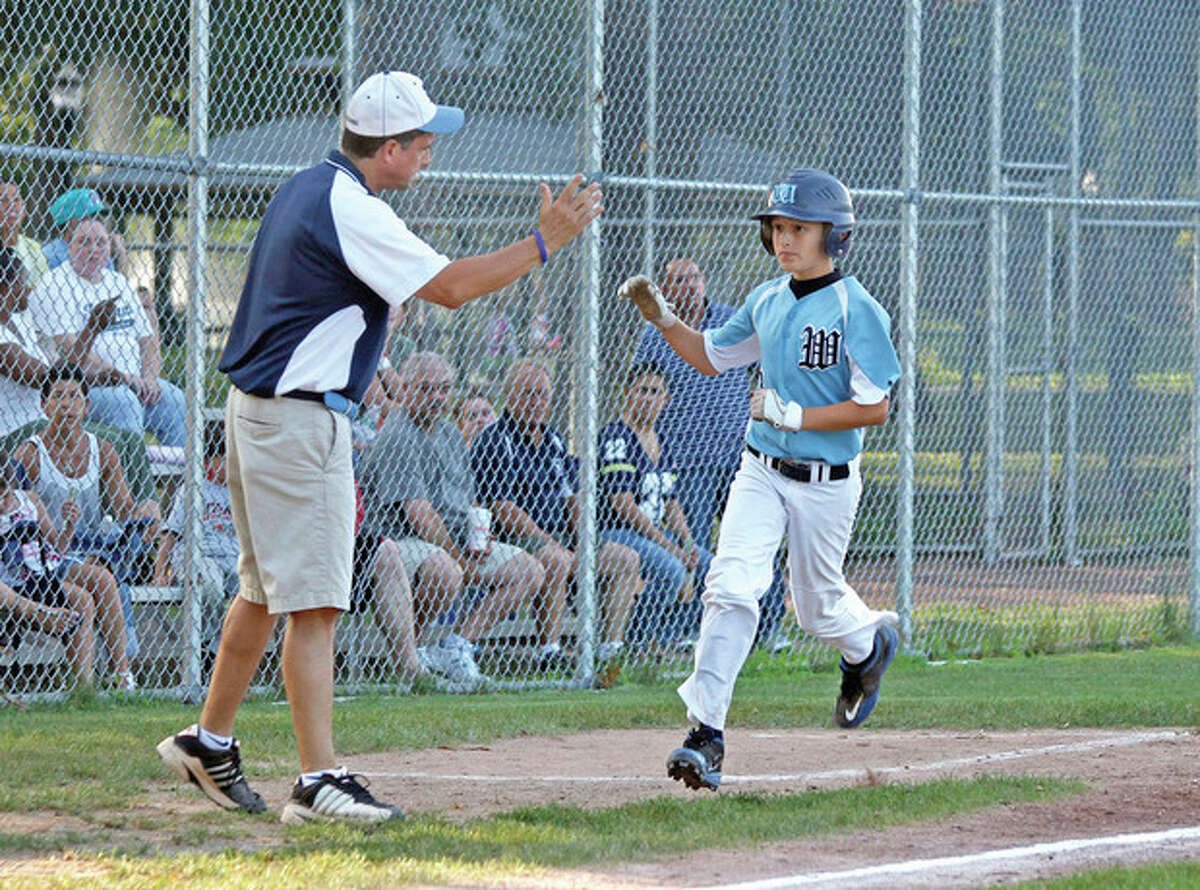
(392, 102)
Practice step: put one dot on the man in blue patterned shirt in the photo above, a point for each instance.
(706, 417)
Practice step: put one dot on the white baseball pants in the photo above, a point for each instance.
(818, 518)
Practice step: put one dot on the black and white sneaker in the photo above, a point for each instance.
(217, 773)
(335, 796)
(698, 762)
(860, 682)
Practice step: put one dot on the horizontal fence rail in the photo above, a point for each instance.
(1028, 213)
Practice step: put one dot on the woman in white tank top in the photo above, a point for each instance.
(74, 471)
(54, 596)
(79, 475)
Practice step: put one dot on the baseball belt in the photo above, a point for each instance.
(799, 471)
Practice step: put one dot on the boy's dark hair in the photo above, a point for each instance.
(62, 372)
(356, 145)
(641, 369)
(10, 266)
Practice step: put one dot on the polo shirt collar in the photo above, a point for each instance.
(511, 428)
(339, 160)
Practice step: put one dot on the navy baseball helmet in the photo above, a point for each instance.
(811, 196)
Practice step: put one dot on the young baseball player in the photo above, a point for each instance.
(827, 364)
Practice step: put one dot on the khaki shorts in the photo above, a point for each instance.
(291, 488)
(415, 551)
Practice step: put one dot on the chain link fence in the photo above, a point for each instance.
(1025, 177)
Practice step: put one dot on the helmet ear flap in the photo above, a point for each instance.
(764, 233)
(837, 242)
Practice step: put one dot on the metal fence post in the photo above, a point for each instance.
(196, 345)
(909, 240)
(1071, 445)
(1044, 494)
(349, 49)
(649, 193)
(588, 378)
(996, 383)
(1194, 543)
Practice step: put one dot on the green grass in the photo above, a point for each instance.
(951, 630)
(526, 840)
(99, 771)
(1129, 688)
(1168, 876)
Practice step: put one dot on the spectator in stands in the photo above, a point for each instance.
(420, 492)
(33, 572)
(24, 365)
(218, 541)
(23, 362)
(639, 508)
(705, 418)
(530, 483)
(12, 221)
(73, 470)
(60, 305)
(473, 414)
(68, 208)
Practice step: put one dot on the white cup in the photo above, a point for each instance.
(479, 529)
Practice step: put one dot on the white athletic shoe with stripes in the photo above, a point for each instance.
(340, 796)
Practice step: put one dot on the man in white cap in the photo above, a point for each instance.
(329, 260)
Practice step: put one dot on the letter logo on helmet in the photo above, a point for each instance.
(811, 196)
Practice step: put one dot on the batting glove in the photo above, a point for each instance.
(765, 404)
(644, 294)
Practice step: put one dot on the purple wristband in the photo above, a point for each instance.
(541, 244)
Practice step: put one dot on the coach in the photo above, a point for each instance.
(329, 260)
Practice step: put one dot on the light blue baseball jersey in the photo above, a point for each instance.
(829, 346)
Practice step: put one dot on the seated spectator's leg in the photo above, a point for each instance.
(117, 406)
(512, 576)
(125, 596)
(71, 623)
(664, 576)
(686, 615)
(393, 604)
(550, 602)
(81, 645)
(166, 417)
(436, 580)
(681, 618)
(102, 587)
(619, 571)
(132, 645)
(131, 452)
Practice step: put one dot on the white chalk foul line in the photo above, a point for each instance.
(912, 866)
(991, 757)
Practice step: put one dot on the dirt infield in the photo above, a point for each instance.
(1141, 780)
